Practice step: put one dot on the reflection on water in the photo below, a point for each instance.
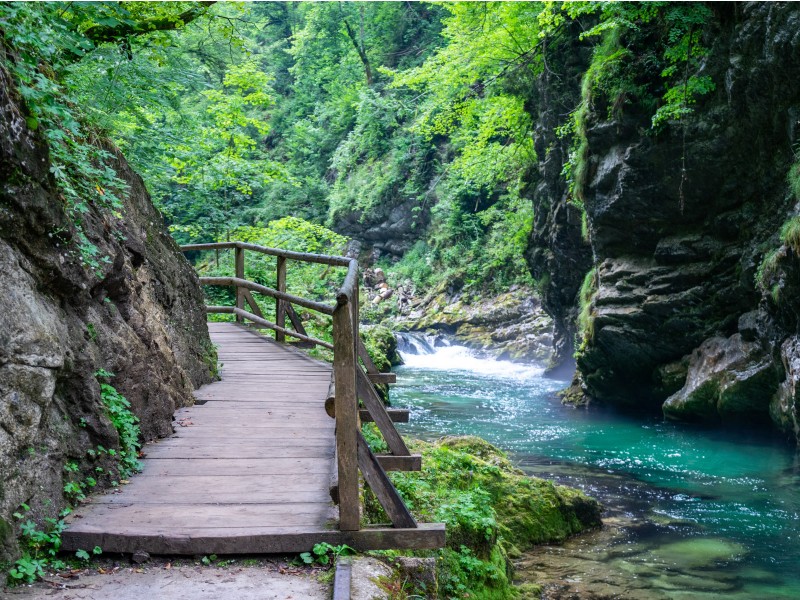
(690, 513)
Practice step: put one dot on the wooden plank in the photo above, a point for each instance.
(159, 517)
(337, 261)
(256, 309)
(344, 367)
(201, 450)
(261, 540)
(228, 467)
(239, 269)
(397, 415)
(295, 319)
(342, 577)
(375, 406)
(382, 487)
(390, 462)
(280, 314)
(218, 496)
(365, 358)
(267, 291)
(382, 377)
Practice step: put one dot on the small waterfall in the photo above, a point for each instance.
(437, 353)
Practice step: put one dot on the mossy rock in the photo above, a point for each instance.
(381, 346)
(491, 510)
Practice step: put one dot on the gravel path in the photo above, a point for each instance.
(239, 579)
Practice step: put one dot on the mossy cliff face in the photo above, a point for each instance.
(677, 252)
(139, 315)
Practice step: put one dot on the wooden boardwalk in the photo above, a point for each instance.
(247, 470)
(253, 466)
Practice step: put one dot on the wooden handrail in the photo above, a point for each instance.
(351, 382)
(325, 259)
(267, 291)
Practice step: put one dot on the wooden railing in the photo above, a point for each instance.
(350, 381)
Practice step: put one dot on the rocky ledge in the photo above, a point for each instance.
(511, 326)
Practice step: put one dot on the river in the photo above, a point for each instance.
(690, 512)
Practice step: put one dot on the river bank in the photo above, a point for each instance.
(682, 504)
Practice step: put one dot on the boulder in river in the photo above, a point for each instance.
(727, 378)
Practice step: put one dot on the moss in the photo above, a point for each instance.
(790, 233)
(585, 316)
(490, 507)
(381, 346)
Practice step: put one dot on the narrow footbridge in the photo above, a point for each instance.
(271, 457)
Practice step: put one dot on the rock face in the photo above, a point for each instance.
(677, 256)
(511, 326)
(139, 314)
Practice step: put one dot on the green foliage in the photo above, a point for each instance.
(325, 554)
(39, 547)
(125, 422)
(381, 346)
(790, 234)
(44, 43)
(488, 507)
(585, 317)
(793, 179)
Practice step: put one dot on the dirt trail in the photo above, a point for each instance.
(185, 580)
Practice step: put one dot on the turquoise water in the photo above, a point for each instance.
(699, 512)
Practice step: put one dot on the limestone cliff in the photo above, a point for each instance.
(139, 315)
(677, 308)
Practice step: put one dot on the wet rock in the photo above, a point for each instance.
(784, 407)
(727, 378)
(676, 244)
(366, 576)
(697, 553)
(510, 326)
(421, 572)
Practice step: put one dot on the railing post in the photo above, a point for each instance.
(239, 269)
(356, 334)
(280, 311)
(346, 411)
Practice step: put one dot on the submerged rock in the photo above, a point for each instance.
(697, 553)
(727, 378)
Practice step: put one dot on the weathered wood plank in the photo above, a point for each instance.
(397, 415)
(382, 377)
(368, 395)
(256, 540)
(382, 487)
(345, 367)
(390, 462)
(232, 467)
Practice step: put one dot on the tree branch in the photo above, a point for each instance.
(361, 54)
(109, 33)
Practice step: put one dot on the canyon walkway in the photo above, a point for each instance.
(258, 465)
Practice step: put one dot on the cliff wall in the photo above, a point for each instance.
(138, 313)
(684, 312)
